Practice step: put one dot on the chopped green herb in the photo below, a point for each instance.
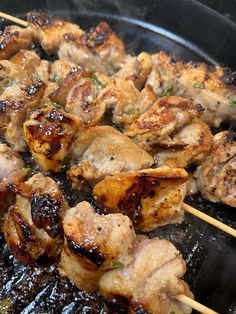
(54, 104)
(6, 83)
(5, 306)
(232, 102)
(98, 84)
(116, 265)
(199, 85)
(29, 171)
(66, 164)
(55, 78)
(172, 312)
(130, 111)
(166, 91)
(37, 78)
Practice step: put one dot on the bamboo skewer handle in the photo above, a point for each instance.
(13, 19)
(195, 305)
(209, 219)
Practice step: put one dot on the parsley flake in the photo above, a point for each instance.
(117, 265)
(166, 91)
(232, 102)
(199, 85)
(98, 84)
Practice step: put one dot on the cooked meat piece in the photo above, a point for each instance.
(31, 63)
(189, 146)
(60, 69)
(93, 244)
(16, 103)
(136, 69)
(98, 50)
(103, 150)
(126, 101)
(191, 185)
(211, 86)
(151, 280)
(150, 197)
(50, 32)
(33, 225)
(11, 165)
(13, 39)
(49, 133)
(216, 176)
(164, 118)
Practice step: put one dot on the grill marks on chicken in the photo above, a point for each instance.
(150, 197)
(13, 39)
(213, 87)
(103, 150)
(49, 133)
(93, 244)
(103, 252)
(33, 224)
(216, 176)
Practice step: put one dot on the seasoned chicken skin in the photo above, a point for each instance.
(211, 86)
(49, 133)
(33, 226)
(93, 244)
(216, 176)
(150, 197)
(98, 50)
(103, 150)
(13, 39)
(50, 32)
(151, 280)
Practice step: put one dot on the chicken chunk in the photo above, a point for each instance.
(49, 133)
(216, 176)
(103, 150)
(13, 39)
(50, 32)
(150, 197)
(152, 279)
(136, 69)
(213, 87)
(16, 103)
(31, 63)
(156, 125)
(93, 244)
(188, 146)
(98, 50)
(33, 225)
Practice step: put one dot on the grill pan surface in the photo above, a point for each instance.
(189, 31)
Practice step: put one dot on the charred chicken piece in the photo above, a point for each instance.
(33, 225)
(31, 63)
(136, 69)
(151, 280)
(150, 197)
(156, 125)
(214, 87)
(49, 133)
(11, 169)
(50, 32)
(13, 39)
(103, 150)
(16, 103)
(93, 244)
(98, 50)
(216, 176)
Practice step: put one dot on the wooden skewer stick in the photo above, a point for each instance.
(13, 19)
(209, 219)
(194, 304)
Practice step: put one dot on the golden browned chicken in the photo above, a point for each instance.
(93, 244)
(49, 133)
(152, 279)
(33, 225)
(98, 50)
(211, 86)
(13, 39)
(136, 69)
(216, 176)
(150, 197)
(103, 150)
(50, 32)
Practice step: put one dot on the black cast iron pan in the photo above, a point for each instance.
(190, 31)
